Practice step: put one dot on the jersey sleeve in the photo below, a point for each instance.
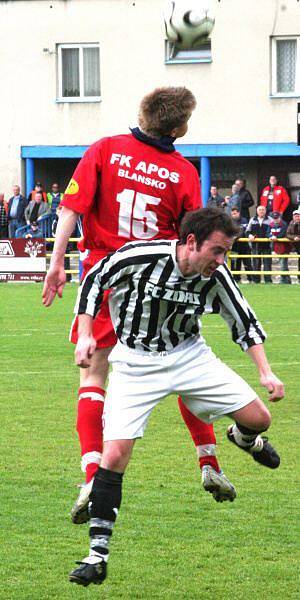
(236, 312)
(80, 193)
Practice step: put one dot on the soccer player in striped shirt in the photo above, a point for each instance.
(159, 291)
(129, 187)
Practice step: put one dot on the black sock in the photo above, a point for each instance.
(105, 501)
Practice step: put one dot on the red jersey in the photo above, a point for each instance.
(127, 189)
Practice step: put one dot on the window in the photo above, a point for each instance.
(174, 55)
(78, 73)
(286, 66)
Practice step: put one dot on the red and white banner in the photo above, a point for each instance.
(22, 259)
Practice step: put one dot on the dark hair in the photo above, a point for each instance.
(164, 109)
(202, 223)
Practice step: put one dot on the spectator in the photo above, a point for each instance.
(37, 188)
(35, 231)
(36, 208)
(258, 227)
(3, 219)
(277, 230)
(293, 233)
(233, 200)
(274, 197)
(240, 247)
(16, 209)
(53, 198)
(215, 199)
(245, 198)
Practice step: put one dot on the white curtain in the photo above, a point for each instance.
(91, 71)
(70, 72)
(286, 65)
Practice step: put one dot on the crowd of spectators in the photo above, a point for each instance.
(271, 221)
(19, 211)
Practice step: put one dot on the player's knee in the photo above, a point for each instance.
(115, 459)
(263, 420)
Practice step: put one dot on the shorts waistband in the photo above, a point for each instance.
(156, 353)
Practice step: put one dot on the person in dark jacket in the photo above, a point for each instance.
(16, 209)
(215, 199)
(240, 247)
(258, 227)
(277, 229)
(245, 198)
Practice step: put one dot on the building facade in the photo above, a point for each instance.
(73, 71)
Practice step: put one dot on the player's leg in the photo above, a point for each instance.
(105, 502)
(89, 427)
(131, 396)
(250, 422)
(90, 406)
(214, 480)
(210, 389)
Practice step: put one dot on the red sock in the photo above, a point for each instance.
(89, 428)
(203, 436)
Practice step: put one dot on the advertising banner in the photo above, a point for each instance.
(22, 259)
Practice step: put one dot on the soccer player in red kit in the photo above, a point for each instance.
(129, 187)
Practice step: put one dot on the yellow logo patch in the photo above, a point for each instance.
(72, 188)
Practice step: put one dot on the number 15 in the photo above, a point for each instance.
(134, 219)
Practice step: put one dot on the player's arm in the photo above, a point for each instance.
(267, 378)
(246, 330)
(56, 277)
(86, 344)
(77, 200)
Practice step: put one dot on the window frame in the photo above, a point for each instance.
(80, 98)
(171, 46)
(274, 92)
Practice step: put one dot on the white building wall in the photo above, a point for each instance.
(233, 92)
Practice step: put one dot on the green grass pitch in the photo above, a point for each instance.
(171, 540)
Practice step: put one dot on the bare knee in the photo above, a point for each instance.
(263, 421)
(254, 416)
(116, 455)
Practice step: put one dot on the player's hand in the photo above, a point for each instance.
(84, 350)
(274, 386)
(53, 285)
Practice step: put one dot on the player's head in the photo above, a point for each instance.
(166, 111)
(206, 236)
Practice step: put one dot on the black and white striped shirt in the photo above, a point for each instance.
(154, 307)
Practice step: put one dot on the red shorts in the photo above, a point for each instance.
(103, 330)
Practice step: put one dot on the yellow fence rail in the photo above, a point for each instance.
(230, 257)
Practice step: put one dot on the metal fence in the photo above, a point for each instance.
(292, 257)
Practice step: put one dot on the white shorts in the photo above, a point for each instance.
(138, 382)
